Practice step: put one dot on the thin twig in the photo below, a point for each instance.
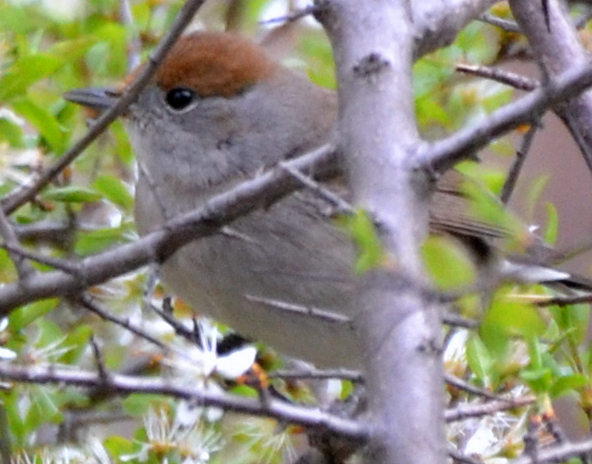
(134, 44)
(543, 302)
(101, 367)
(47, 231)
(455, 320)
(462, 385)
(467, 411)
(90, 304)
(508, 26)
(531, 439)
(316, 374)
(341, 206)
(514, 80)
(519, 159)
(575, 130)
(553, 427)
(65, 265)
(306, 311)
(179, 328)
(294, 16)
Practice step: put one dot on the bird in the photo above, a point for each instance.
(219, 110)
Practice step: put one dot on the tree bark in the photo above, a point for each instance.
(557, 47)
(399, 328)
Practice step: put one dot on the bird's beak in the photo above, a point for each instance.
(96, 98)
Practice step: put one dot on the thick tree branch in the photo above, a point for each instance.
(398, 327)
(436, 23)
(558, 49)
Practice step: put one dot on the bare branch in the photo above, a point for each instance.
(309, 312)
(124, 384)
(341, 206)
(543, 302)
(47, 231)
(508, 26)
(518, 163)
(467, 411)
(556, 45)
(293, 16)
(462, 385)
(134, 45)
(65, 265)
(499, 75)
(316, 374)
(558, 453)
(436, 24)
(455, 320)
(90, 304)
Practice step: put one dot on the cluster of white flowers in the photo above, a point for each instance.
(490, 436)
(194, 444)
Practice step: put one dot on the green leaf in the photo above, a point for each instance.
(572, 321)
(72, 194)
(483, 204)
(480, 360)
(430, 111)
(43, 121)
(137, 404)
(31, 68)
(115, 191)
(98, 240)
(24, 315)
(76, 341)
(11, 132)
(499, 95)
(447, 262)
(543, 370)
(14, 410)
(552, 224)
(568, 383)
(370, 252)
(45, 408)
(119, 446)
(507, 318)
(50, 333)
(539, 380)
(26, 71)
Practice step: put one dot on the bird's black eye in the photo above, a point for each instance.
(179, 97)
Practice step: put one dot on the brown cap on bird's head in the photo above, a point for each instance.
(212, 64)
(209, 63)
